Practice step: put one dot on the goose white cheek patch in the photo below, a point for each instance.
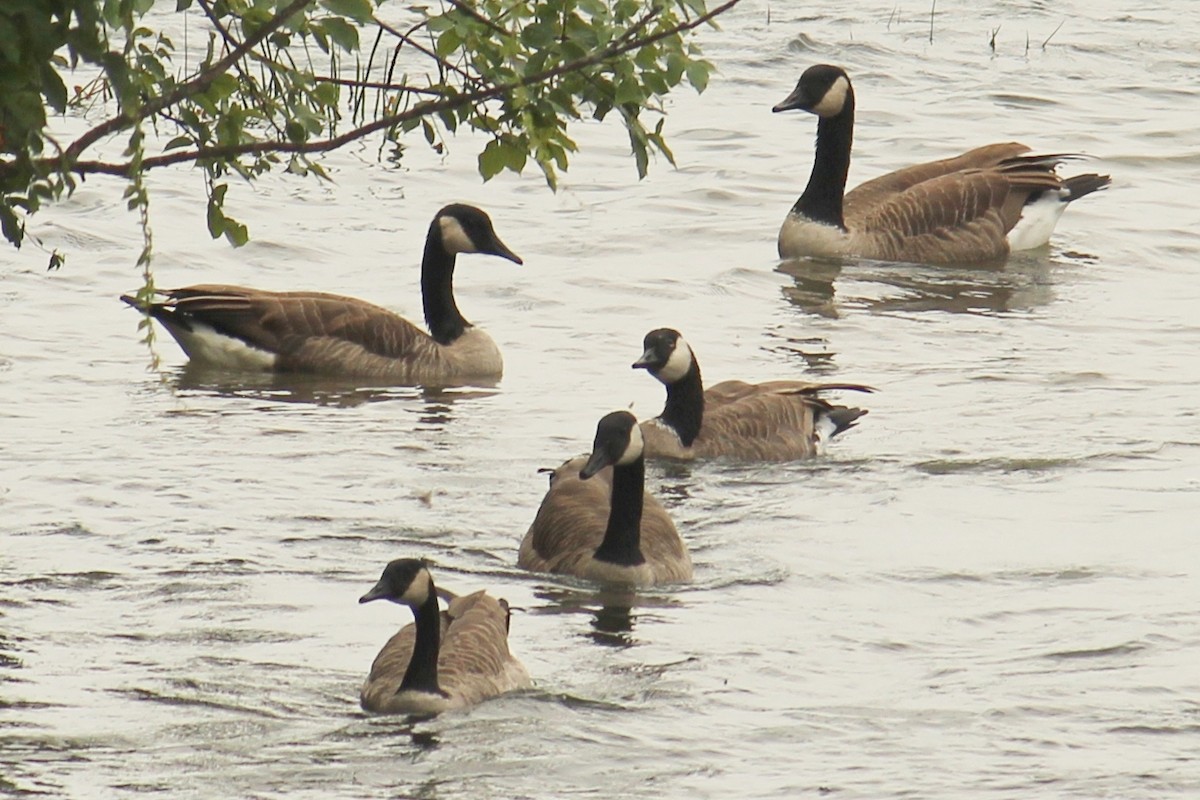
(833, 101)
(418, 590)
(633, 451)
(454, 238)
(678, 364)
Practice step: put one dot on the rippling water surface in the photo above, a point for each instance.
(988, 589)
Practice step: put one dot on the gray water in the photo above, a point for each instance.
(987, 589)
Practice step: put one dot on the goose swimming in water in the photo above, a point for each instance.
(978, 206)
(443, 659)
(313, 332)
(772, 421)
(600, 523)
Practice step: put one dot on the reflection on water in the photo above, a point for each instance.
(612, 626)
(832, 288)
(321, 390)
(610, 607)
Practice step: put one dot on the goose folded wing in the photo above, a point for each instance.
(727, 392)
(965, 216)
(570, 522)
(475, 651)
(866, 196)
(284, 322)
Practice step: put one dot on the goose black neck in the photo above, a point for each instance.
(684, 411)
(822, 198)
(623, 537)
(445, 321)
(422, 674)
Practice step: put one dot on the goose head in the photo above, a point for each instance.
(823, 90)
(666, 355)
(467, 229)
(618, 443)
(405, 581)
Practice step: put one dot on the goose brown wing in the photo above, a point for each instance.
(731, 391)
(859, 201)
(570, 522)
(662, 547)
(475, 662)
(964, 216)
(286, 322)
(760, 426)
(768, 421)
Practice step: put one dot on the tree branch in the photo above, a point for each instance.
(419, 110)
(197, 84)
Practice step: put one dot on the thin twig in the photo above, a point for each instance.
(231, 44)
(382, 85)
(475, 15)
(1051, 36)
(932, 6)
(406, 38)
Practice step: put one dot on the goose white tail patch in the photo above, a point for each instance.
(823, 430)
(1037, 221)
(207, 345)
(454, 237)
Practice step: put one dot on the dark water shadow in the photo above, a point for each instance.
(321, 390)
(829, 288)
(611, 610)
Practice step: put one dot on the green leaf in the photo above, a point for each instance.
(236, 233)
(342, 33)
(629, 92)
(111, 12)
(327, 93)
(448, 42)
(295, 131)
(222, 87)
(492, 160)
(537, 36)
(216, 219)
(14, 231)
(54, 89)
(515, 155)
(178, 141)
(358, 10)
(697, 74)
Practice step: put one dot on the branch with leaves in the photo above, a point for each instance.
(271, 86)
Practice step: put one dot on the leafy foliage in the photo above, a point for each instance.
(279, 82)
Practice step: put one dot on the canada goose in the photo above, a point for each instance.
(773, 421)
(241, 328)
(599, 523)
(978, 206)
(444, 659)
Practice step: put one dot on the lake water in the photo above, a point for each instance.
(990, 588)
